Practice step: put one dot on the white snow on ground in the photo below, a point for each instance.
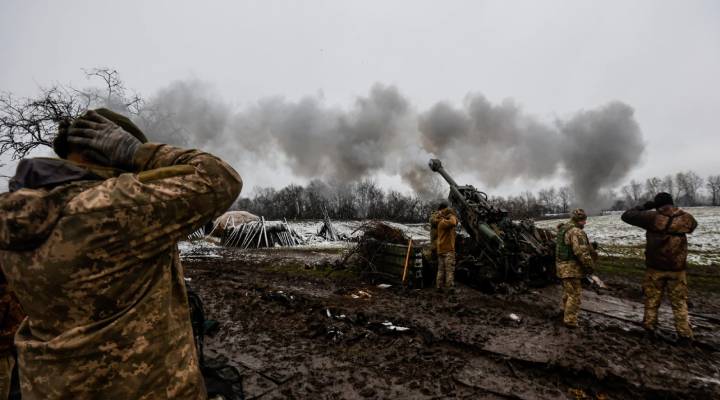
(619, 238)
(615, 237)
(310, 229)
(207, 248)
(203, 248)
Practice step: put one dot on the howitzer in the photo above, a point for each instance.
(501, 250)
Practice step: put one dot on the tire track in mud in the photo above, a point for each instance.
(451, 348)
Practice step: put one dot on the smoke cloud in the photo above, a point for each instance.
(383, 133)
(595, 149)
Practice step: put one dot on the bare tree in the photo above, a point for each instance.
(653, 186)
(29, 123)
(633, 192)
(565, 195)
(547, 199)
(689, 183)
(713, 185)
(26, 124)
(669, 186)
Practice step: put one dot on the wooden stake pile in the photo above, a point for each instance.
(261, 234)
(328, 230)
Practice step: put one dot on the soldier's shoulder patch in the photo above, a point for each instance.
(165, 172)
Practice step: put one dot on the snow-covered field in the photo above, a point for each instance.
(210, 247)
(310, 229)
(619, 238)
(615, 237)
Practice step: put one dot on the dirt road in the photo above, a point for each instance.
(297, 329)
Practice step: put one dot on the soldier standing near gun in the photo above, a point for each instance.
(446, 223)
(666, 252)
(574, 257)
(89, 244)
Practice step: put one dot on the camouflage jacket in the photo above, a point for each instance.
(447, 221)
(666, 246)
(95, 266)
(577, 239)
(11, 315)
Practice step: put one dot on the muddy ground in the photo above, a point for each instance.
(297, 328)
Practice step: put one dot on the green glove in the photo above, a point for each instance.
(103, 141)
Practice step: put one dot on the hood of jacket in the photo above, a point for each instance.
(38, 192)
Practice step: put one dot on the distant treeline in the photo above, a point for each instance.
(687, 188)
(366, 200)
(360, 200)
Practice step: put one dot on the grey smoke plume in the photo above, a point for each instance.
(382, 133)
(599, 148)
(595, 149)
(327, 142)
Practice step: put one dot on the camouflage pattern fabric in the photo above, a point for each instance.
(446, 271)
(447, 221)
(7, 364)
(572, 295)
(666, 246)
(584, 254)
(11, 315)
(654, 286)
(96, 268)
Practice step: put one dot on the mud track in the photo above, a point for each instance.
(297, 329)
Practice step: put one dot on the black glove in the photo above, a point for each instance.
(594, 245)
(103, 141)
(649, 205)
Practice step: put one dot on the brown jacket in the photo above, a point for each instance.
(666, 248)
(95, 266)
(447, 221)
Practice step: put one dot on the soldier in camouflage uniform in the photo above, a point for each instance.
(575, 257)
(447, 221)
(89, 245)
(666, 252)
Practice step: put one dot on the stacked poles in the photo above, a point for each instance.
(258, 234)
(328, 230)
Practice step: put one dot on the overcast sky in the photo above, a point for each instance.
(554, 58)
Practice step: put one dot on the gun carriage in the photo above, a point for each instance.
(498, 251)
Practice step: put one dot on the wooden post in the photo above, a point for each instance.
(407, 262)
(265, 232)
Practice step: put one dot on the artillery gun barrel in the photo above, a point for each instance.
(478, 228)
(436, 166)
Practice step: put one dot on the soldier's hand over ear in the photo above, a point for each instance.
(103, 141)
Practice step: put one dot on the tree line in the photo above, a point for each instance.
(687, 188)
(365, 199)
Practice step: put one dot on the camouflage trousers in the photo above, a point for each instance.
(655, 284)
(446, 270)
(572, 294)
(7, 364)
